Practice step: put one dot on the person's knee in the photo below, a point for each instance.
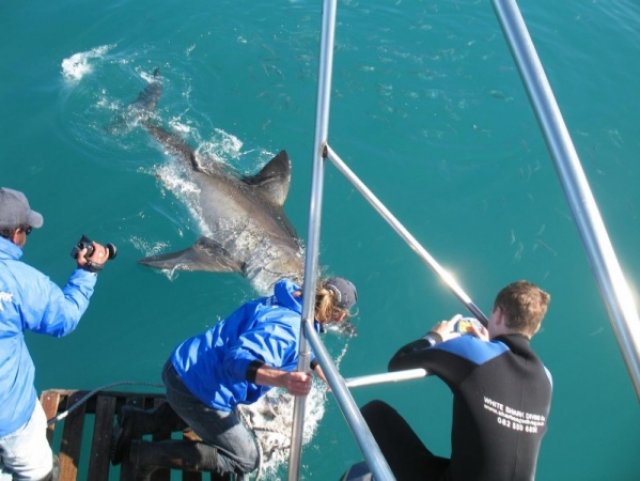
(373, 409)
(34, 466)
(250, 459)
(54, 474)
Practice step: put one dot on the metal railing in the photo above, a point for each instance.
(614, 289)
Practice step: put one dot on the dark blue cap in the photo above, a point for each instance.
(344, 290)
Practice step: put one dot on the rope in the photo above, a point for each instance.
(87, 396)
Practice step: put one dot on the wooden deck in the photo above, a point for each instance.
(95, 419)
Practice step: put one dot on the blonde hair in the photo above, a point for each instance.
(326, 309)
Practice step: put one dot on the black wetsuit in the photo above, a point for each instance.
(501, 399)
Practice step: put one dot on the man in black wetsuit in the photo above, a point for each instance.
(501, 396)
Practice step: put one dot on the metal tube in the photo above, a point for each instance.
(315, 212)
(394, 376)
(614, 289)
(367, 443)
(406, 235)
(369, 448)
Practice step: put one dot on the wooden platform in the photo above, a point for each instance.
(82, 440)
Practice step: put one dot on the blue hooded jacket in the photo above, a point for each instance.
(213, 365)
(30, 301)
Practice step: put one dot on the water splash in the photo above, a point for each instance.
(74, 68)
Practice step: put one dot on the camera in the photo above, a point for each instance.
(86, 243)
(464, 325)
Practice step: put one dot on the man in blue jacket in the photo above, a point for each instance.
(29, 301)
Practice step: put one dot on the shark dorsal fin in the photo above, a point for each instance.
(273, 180)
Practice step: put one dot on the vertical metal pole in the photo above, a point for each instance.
(614, 289)
(315, 212)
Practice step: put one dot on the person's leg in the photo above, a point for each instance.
(26, 455)
(136, 422)
(407, 456)
(236, 444)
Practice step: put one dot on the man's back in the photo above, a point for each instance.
(502, 395)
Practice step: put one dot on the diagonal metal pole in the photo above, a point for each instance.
(411, 241)
(613, 286)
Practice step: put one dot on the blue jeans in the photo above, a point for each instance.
(25, 455)
(237, 446)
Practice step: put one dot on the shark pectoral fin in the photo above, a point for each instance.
(273, 180)
(205, 255)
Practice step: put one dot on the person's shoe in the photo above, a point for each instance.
(121, 437)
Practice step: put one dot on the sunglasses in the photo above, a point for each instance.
(27, 230)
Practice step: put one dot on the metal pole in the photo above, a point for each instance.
(367, 443)
(406, 235)
(315, 212)
(394, 376)
(614, 289)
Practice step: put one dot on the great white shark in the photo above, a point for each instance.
(247, 229)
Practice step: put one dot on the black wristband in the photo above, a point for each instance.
(252, 370)
(92, 266)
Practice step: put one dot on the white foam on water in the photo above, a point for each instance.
(75, 67)
(271, 418)
(221, 145)
(179, 126)
(149, 248)
(176, 181)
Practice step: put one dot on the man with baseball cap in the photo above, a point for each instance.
(30, 301)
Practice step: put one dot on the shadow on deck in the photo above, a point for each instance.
(95, 418)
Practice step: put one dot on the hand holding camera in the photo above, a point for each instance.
(458, 326)
(92, 256)
(468, 325)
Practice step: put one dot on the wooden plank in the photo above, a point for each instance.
(161, 474)
(191, 476)
(50, 401)
(101, 443)
(105, 405)
(72, 439)
(127, 469)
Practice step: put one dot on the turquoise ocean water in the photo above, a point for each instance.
(428, 109)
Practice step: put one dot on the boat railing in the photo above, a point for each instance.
(613, 287)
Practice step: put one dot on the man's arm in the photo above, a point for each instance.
(296, 383)
(414, 354)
